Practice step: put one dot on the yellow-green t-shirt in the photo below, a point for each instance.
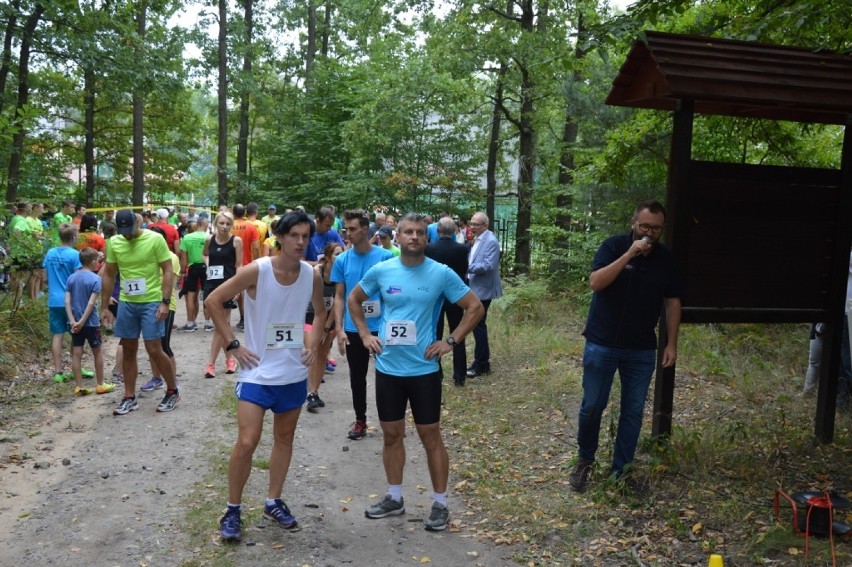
(175, 270)
(139, 261)
(262, 229)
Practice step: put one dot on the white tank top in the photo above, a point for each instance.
(275, 326)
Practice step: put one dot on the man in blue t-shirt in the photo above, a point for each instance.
(408, 370)
(347, 271)
(324, 234)
(632, 275)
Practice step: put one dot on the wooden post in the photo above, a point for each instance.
(830, 368)
(677, 229)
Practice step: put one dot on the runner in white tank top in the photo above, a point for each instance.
(273, 361)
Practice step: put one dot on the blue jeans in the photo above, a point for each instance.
(635, 368)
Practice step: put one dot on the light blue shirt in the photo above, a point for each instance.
(81, 285)
(59, 263)
(348, 269)
(413, 295)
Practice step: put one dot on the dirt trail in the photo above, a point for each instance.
(82, 487)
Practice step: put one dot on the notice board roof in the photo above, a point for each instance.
(735, 78)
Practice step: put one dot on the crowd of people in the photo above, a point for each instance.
(300, 283)
(378, 287)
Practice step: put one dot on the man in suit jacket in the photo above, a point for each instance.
(483, 274)
(450, 253)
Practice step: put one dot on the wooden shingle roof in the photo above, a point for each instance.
(735, 78)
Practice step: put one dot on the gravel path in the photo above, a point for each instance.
(82, 487)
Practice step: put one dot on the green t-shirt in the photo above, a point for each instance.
(193, 245)
(20, 223)
(57, 221)
(35, 225)
(139, 261)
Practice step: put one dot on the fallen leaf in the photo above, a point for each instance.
(425, 559)
(697, 527)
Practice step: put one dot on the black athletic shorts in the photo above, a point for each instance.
(394, 393)
(196, 277)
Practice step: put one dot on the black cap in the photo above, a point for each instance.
(125, 221)
(385, 231)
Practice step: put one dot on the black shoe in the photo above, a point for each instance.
(579, 478)
(241, 325)
(458, 382)
(314, 402)
(473, 372)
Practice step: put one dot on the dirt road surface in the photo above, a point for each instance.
(80, 486)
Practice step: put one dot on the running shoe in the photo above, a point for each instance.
(329, 368)
(155, 383)
(230, 524)
(78, 391)
(358, 429)
(70, 375)
(241, 325)
(61, 377)
(332, 361)
(280, 514)
(189, 328)
(438, 517)
(210, 371)
(208, 327)
(230, 365)
(127, 405)
(314, 402)
(104, 388)
(387, 506)
(117, 378)
(170, 401)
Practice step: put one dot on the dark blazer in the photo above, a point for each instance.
(450, 253)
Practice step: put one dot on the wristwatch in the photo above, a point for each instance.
(232, 345)
(451, 341)
(167, 300)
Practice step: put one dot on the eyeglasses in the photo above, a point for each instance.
(650, 228)
(476, 223)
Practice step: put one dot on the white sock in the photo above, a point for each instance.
(237, 506)
(270, 501)
(440, 497)
(395, 491)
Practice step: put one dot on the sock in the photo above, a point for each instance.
(234, 507)
(271, 501)
(440, 498)
(395, 491)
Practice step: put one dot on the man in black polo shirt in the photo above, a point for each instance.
(632, 275)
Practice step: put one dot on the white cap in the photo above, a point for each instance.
(163, 213)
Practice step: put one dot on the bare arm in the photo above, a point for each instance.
(602, 278)
(168, 288)
(337, 309)
(107, 283)
(473, 312)
(318, 326)
(246, 279)
(673, 314)
(356, 311)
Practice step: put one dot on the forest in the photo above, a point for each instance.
(425, 105)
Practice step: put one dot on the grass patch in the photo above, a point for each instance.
(740, 432)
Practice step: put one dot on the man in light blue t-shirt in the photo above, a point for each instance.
(347, 271)
(408, 370)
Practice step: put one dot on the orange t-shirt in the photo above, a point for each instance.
(91, 240)
(248, 233)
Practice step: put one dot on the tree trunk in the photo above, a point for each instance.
(245, 99)
(526, 158)
(494, 145)
(23, 98)
(6, 58)
(222, 157)
(312, 44)
(138, 197)
(89, 128)
(567, 166)
(326, 26)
